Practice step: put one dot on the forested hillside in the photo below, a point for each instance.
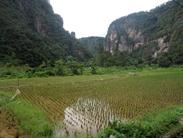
(32, 34)
(147, 37)
(93, 44)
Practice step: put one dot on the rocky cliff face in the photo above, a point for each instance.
(151, 32)
(36, 14)
(123, 36)
(31, 34)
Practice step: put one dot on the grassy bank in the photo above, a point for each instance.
(32, 119)
(152, 125)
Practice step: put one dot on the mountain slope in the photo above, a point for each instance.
(149, 36)
(93, 44)
(31, 34)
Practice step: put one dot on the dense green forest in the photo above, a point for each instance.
(94, 45)
(31, 34)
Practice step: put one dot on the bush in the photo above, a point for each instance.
(151, 126)
(164, 60)
(74, 67)
(59, 68)
(93, 70)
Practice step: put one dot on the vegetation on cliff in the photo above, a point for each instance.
(93, 44)
(153, 37)
(32, 34)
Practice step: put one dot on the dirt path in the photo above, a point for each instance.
(9, 126)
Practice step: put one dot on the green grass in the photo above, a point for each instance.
(130, 94)
(176, 132)
(155, 124)
(13, 72)
(32, 120)
(152, 125)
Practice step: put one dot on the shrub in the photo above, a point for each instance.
(151, 126)
(164, 60)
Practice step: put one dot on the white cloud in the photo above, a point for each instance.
(93, 17)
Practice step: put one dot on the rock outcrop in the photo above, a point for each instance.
(154, 33)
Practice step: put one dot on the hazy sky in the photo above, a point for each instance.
(93, 17)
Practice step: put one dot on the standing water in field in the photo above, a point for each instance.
(86, 116)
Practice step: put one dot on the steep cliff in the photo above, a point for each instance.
(149, 35)
(31, 33)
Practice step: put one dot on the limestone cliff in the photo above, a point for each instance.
(153, 33)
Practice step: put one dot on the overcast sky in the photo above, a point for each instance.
(93, 17)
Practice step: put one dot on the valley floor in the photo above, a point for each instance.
(130, 94)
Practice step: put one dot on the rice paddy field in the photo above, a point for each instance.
(129, 94)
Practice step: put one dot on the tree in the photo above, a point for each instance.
(164, 60)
